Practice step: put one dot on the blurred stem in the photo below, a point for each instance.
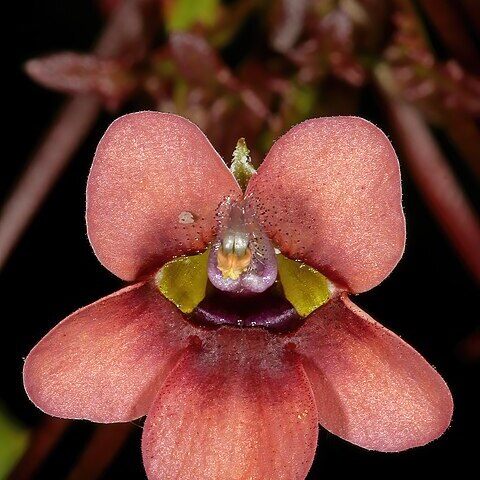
(437, 183)
(106, 442)
(69, 129)
(472, 12)
(445, 17)
(67, 133)
(462, 130)
(465, 135)
(41, 443)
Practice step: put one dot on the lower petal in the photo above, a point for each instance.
(237, 410)
(103, 362)
(372, 389)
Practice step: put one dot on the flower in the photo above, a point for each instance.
(236, 373)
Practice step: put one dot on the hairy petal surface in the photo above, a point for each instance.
(105, 361)
(328, 193)
(372, 388)
(236, 408)
(152, 193)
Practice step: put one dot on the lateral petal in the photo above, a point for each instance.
(105, 361)
(372, 389)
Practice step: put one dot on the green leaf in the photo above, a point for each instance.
(183, 14)
(13, 442)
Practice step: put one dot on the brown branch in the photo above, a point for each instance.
(436, 181)
(464, 133)
(106, 442)
(42, 441)
(67, 133)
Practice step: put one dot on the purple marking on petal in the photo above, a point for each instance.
(262, 272)
(268, 310)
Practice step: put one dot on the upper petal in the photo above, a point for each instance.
(372, 389)
(104, 362)
(329, 193)
(152, 192)
(238, 411)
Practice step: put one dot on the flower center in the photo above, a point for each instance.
(242, 259)
(234, 255)
(240, 280)
(233, 264)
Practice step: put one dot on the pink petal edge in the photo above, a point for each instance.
(372, 388)
(233, 411)
(152, 193)
(106, 361)
(329, 193)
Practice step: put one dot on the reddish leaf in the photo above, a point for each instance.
(75, 73)
(196, 59)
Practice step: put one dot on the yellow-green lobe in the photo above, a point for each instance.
(183, 280)
(303, 286)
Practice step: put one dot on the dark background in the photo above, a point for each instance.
(429, 299)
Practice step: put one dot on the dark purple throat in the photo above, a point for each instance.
(269, 310)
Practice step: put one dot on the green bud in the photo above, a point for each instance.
(242, 168)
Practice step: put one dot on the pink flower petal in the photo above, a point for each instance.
(152, 193)
(328, 193)
(237, 410)
(105, 361)
(372, 389)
